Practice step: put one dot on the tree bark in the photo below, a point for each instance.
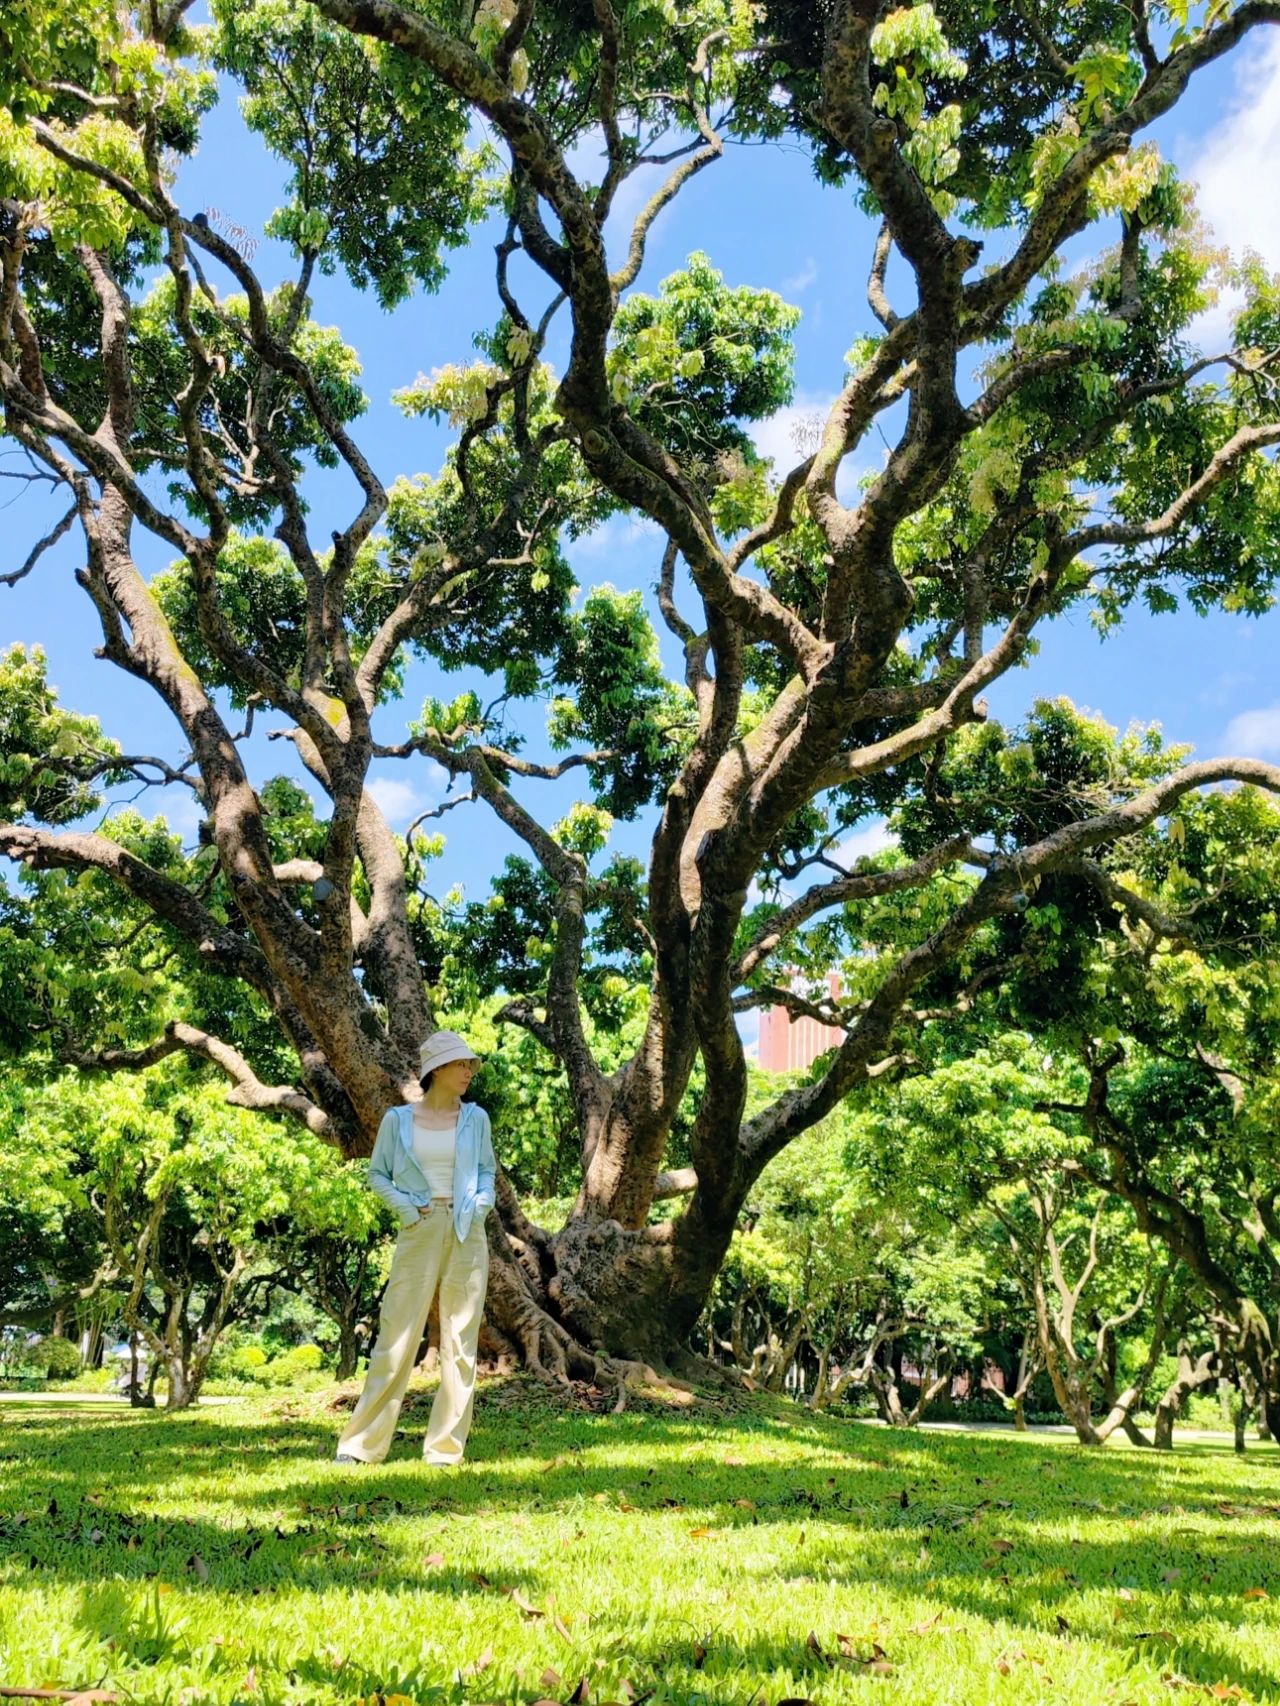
(341, 979)
(348, 1349)
(1188, 1379)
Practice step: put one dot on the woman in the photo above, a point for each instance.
(433, 1164)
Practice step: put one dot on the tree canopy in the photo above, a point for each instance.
(1055, 443)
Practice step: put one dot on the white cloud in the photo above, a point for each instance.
(801, 281)
(1255, 733)
(618, 533)
(1211, 331)
(864, 842)
(401, 799)
(793, 433)
(749, 1030)
(1239, 187)
(178, 806)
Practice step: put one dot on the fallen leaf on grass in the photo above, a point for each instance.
(745, 1504)
(1171, 1575)
(1155, 1635)
(700, 1534)
(581, 1694)
(1015, 1655)
(1002, 1546)
(1215, 1691)
(700, 1654)
(561, 1628)
(932, 1625)
(433, 1560)
(875, 1662)
(1064, 1628)
(480, 1665)
(526, 1609)
(549, 1678)
(1256, 1593)
(198, 1567)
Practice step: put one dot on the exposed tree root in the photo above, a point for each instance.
(534, 1306)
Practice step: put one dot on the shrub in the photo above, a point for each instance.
(284, 1370)
(60, 1358)
(241, 1362)
(98, 1379)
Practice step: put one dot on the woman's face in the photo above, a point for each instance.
(455, 1077)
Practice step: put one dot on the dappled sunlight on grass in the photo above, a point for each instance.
(735, 1555)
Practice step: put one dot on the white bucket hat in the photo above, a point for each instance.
(440, 1048)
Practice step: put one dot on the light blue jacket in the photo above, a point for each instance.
(398, 1180)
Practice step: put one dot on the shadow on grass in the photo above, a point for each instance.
(1003, 1530)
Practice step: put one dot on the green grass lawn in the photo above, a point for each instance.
(742, 1555)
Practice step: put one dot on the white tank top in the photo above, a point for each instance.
(433, 1149)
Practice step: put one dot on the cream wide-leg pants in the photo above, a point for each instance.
(426, 1255)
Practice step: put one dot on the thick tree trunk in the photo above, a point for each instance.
(348, 1349)
(1073, 1398)
(631, 1294)
(819, 1399)
(1166, 1414)
(885, 1381)
(1189, 1377)
(181, 1394)
(1120, 1415)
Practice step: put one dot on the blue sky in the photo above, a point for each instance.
(764, 221)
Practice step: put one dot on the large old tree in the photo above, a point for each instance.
(1053, 441)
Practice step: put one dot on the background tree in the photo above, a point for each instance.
(188, 1203)
(840, 1278)
(1053, 442)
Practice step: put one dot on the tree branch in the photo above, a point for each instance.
(248, 1089)
(858, 884)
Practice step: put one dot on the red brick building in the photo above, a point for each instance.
(790, 1045)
